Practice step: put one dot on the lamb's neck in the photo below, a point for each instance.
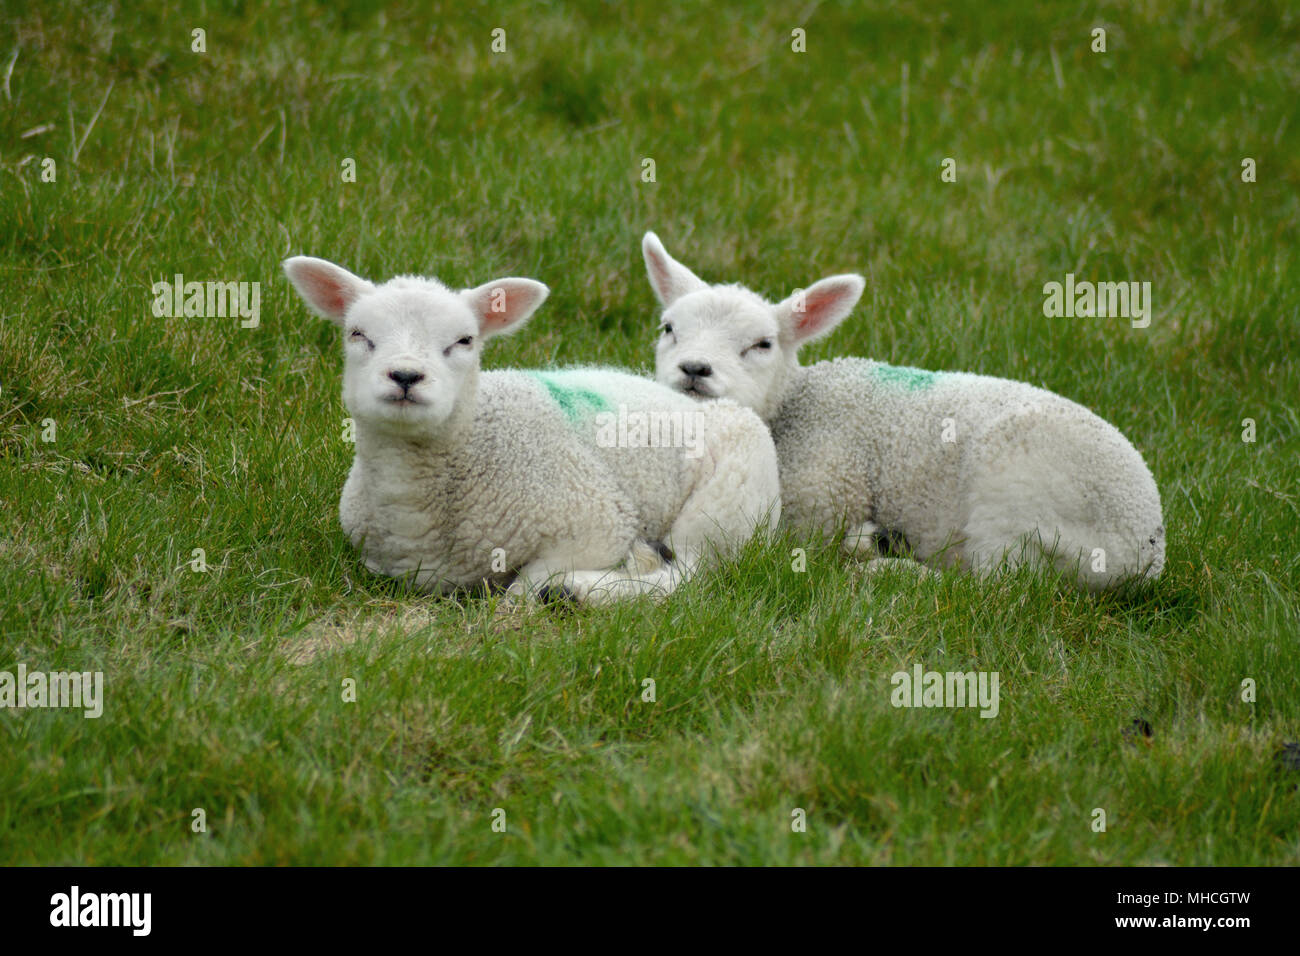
(402, 469)
(790, 387)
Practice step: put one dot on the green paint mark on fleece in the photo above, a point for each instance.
(904, 376)
(574, 402)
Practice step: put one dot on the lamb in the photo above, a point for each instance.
(971, 470)
(525, 480)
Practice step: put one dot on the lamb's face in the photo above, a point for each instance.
(719, 341)
(410, 346)
(411, 352)
(723, 342)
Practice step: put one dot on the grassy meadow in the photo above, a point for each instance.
(129, 440)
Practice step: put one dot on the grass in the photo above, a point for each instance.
(224, 688)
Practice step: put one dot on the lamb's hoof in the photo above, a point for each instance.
(646, 557)
(556, 595)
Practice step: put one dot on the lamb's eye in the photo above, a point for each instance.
(464, 340)
(761, 344)
(666, 329)
(356, 335)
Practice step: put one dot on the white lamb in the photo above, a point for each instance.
(518, 478)
(970, 469)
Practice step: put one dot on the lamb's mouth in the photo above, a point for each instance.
(694, 388)
(402, 401)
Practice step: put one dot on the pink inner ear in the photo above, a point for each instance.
(662, 278)
(496, 321)
(328, 293)
(818, 305)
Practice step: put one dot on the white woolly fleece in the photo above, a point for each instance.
(523, 478)
(972, 470)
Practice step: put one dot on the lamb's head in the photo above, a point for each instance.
(411, 346)
(724, 341)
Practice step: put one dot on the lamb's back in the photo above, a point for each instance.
(861, 440)
(608, 412)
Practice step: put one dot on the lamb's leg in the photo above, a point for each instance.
(737, 490)
(540, 579)
(643, 572)
(863, 542)
(860, 542)
(646, 571)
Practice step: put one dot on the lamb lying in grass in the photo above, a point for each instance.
(530, 480)
(970, 469)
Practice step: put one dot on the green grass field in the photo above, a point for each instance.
(224, 688)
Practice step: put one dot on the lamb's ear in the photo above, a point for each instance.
(670, 279)
(329, 289)
(816, 310)
(503, 305)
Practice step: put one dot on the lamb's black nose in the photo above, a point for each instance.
(404, 378)
(697, 369)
